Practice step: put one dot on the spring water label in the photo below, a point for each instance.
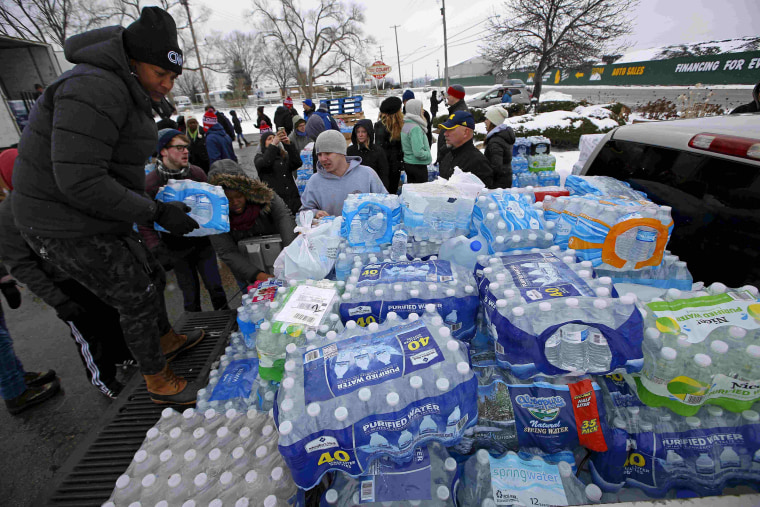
(529, 482)
(306, 305)
(392, 272)
(698, 317)
(387, 481)
(237, 380)
(348, 365)
(542, 276)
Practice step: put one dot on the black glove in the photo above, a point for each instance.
(69, 310)
(164, 257)
(11, 293)
(172, 217)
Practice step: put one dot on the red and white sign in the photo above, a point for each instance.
(378, 70)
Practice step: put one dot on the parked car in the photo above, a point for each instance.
(182, 103)
(493, 96)
(708, 171)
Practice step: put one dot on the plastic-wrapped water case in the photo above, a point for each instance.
(547, 315)
(672, 273)
(428, 479)
(369, 219)
(409, 287)
(509, 219)
(383, 391)
(602, 186)
(208, 205)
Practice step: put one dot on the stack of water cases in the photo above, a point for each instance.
(702, 348)
(532, 164)
(193, 459)
(208, 204)
(369, 219)
(615, 233)
(547, 314)
(438, 210)
(301, 307)
(349, 399)
(428, 479)
(511, 220)
(307, 167)
(656, 450)
(375, 290)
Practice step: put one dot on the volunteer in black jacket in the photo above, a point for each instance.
(80, 181)
(275, 164)
(499, 141)
(363, 145)
(455, 101)
(457, 131)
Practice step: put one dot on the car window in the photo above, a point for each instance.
(716, 205)
(514, 91)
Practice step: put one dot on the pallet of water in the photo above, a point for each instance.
(383, 390)
(547, 314)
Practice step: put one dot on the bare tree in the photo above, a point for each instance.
(50, 21)
(544, 34)
(279, 68)
(311, 39)
(188, 83)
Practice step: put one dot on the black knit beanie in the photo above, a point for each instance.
(391, 105)
(153, 39)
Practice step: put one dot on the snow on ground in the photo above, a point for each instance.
(553, 95)
(565, 160)
(724, 46)
(561, 119)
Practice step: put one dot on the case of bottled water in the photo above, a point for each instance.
(702, 347)
(234, 384)
(428, 479)
(672, 273)
(519, 169)
(208, 205)
(307, 167)
(656, 450)
(508, 219)
(409, 287)
(522, 147)
(522, 479)
(380, 391)
(212, 459)
(602, 186)
(547, 315)
(370, 219)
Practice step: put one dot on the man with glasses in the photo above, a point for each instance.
(189, 257)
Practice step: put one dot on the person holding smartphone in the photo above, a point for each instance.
(275, 164)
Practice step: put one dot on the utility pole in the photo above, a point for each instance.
(197, 52)
(438, 66)
(381, 53)
(445, 45)
(398, 58)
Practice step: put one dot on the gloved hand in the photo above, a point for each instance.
(172, 217)
(164, 257)
(11, 293)
(69, 310)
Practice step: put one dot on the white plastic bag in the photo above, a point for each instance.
(312, 254)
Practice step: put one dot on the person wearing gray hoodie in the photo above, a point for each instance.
(337, 176)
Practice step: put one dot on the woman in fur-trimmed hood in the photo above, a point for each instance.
(255, 210)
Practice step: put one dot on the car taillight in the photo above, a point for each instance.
(742, 147)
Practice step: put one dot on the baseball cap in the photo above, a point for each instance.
(459, 119)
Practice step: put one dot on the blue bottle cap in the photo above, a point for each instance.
(475, 246)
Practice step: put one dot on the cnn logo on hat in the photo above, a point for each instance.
(175, 58)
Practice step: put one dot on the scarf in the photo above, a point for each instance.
(247, 219)
(299, 133)
(497, 129)
(193, 135)
(419, 120)
(169, 174)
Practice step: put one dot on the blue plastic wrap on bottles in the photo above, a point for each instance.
(602, 186)
(430, 476)
(547, 315)
(672, 273)
(382, 391)
(540, 145)
(656, 450)
(509, 219)
(208, 205)
(370, 219)
(409, 287)
(522, 147)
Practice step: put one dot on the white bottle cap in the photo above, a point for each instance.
(450, 293)
(584, 273)
(331, 496)
(482, 456)
(200, 479)
(415, 381)
(452, 345)
(378, 293)
(290, 365)
(398, 288)
(239, 451)
(414, 293)
(753, 351)
(288, 382)
(331, 335)
(373, 326)
(313, 409)
(450, 464)
(463, 368)
(500, 239)
(267, 430)
(277, 473)
(251, 476)
(189, 503)
(501, 303)
(152, 433)
(175, 433)
(413, 317)
(341, 413)
(222, 432)
(718, 288)
(652, 333)
(265, 326)
(123, 480)
(719, 347)
(565, 469)
(290, 348)
(286, 427)
(242, 502)
(165, 455)
(749, 415)
(702, 360)
(442, 493)
(444, 332)
(593, 492)
(693, 422)
(365, 394)
(715, 411)
(545, 306)
(437, 320)
(518, 311)
(572, 302)
(442, 384)
(668, 353)
(167, 413)
(225, 479)
(600, 304)
(215, 454)
(674, 293)
(392, 399)
(164, 503)
(270, 501)
(737, 332)
(494, 286)
(245, 432)
(261, 451)
(141, 456)
(490, 216)
(549, 236)
(602, 292)
(174, 480)
(633, 410)
(391, 316)
(190, 454)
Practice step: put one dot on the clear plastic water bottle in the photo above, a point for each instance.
(399, 245)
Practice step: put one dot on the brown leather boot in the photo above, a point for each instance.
(173, 344)
(166, 387)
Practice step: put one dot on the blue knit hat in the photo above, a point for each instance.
(164, 137)
(309, 103)
(408, 95)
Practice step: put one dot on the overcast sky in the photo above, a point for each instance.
(420, 31)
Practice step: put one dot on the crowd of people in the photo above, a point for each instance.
(90, 163)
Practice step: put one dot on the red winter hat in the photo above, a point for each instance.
(456, 91)
(209, 120)
(7, 159)
(288, 102)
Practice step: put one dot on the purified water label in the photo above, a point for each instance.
(237, 380)
(307, 305)
(542, 276)
(529, 482)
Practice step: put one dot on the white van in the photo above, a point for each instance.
(182, 103)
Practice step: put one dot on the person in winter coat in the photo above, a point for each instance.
(457, 131)
(238, 129)
(283, 118)
(499, 141)
(255, 210)
(750, 107)
(308, 109)
(188, 257)
(219, 145)
(209, 118)
(314, 126)
(414, 143)
(275, 163)
(298, 137)
(337, 176)
(263, 122)
(197, 136)
(406, 97)
(388, 137)
(455, 101)
(181, 126)
(79, 184)
(226, 124)
(94, 326)
(324, 112)
(434, 101)
(363, 146)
